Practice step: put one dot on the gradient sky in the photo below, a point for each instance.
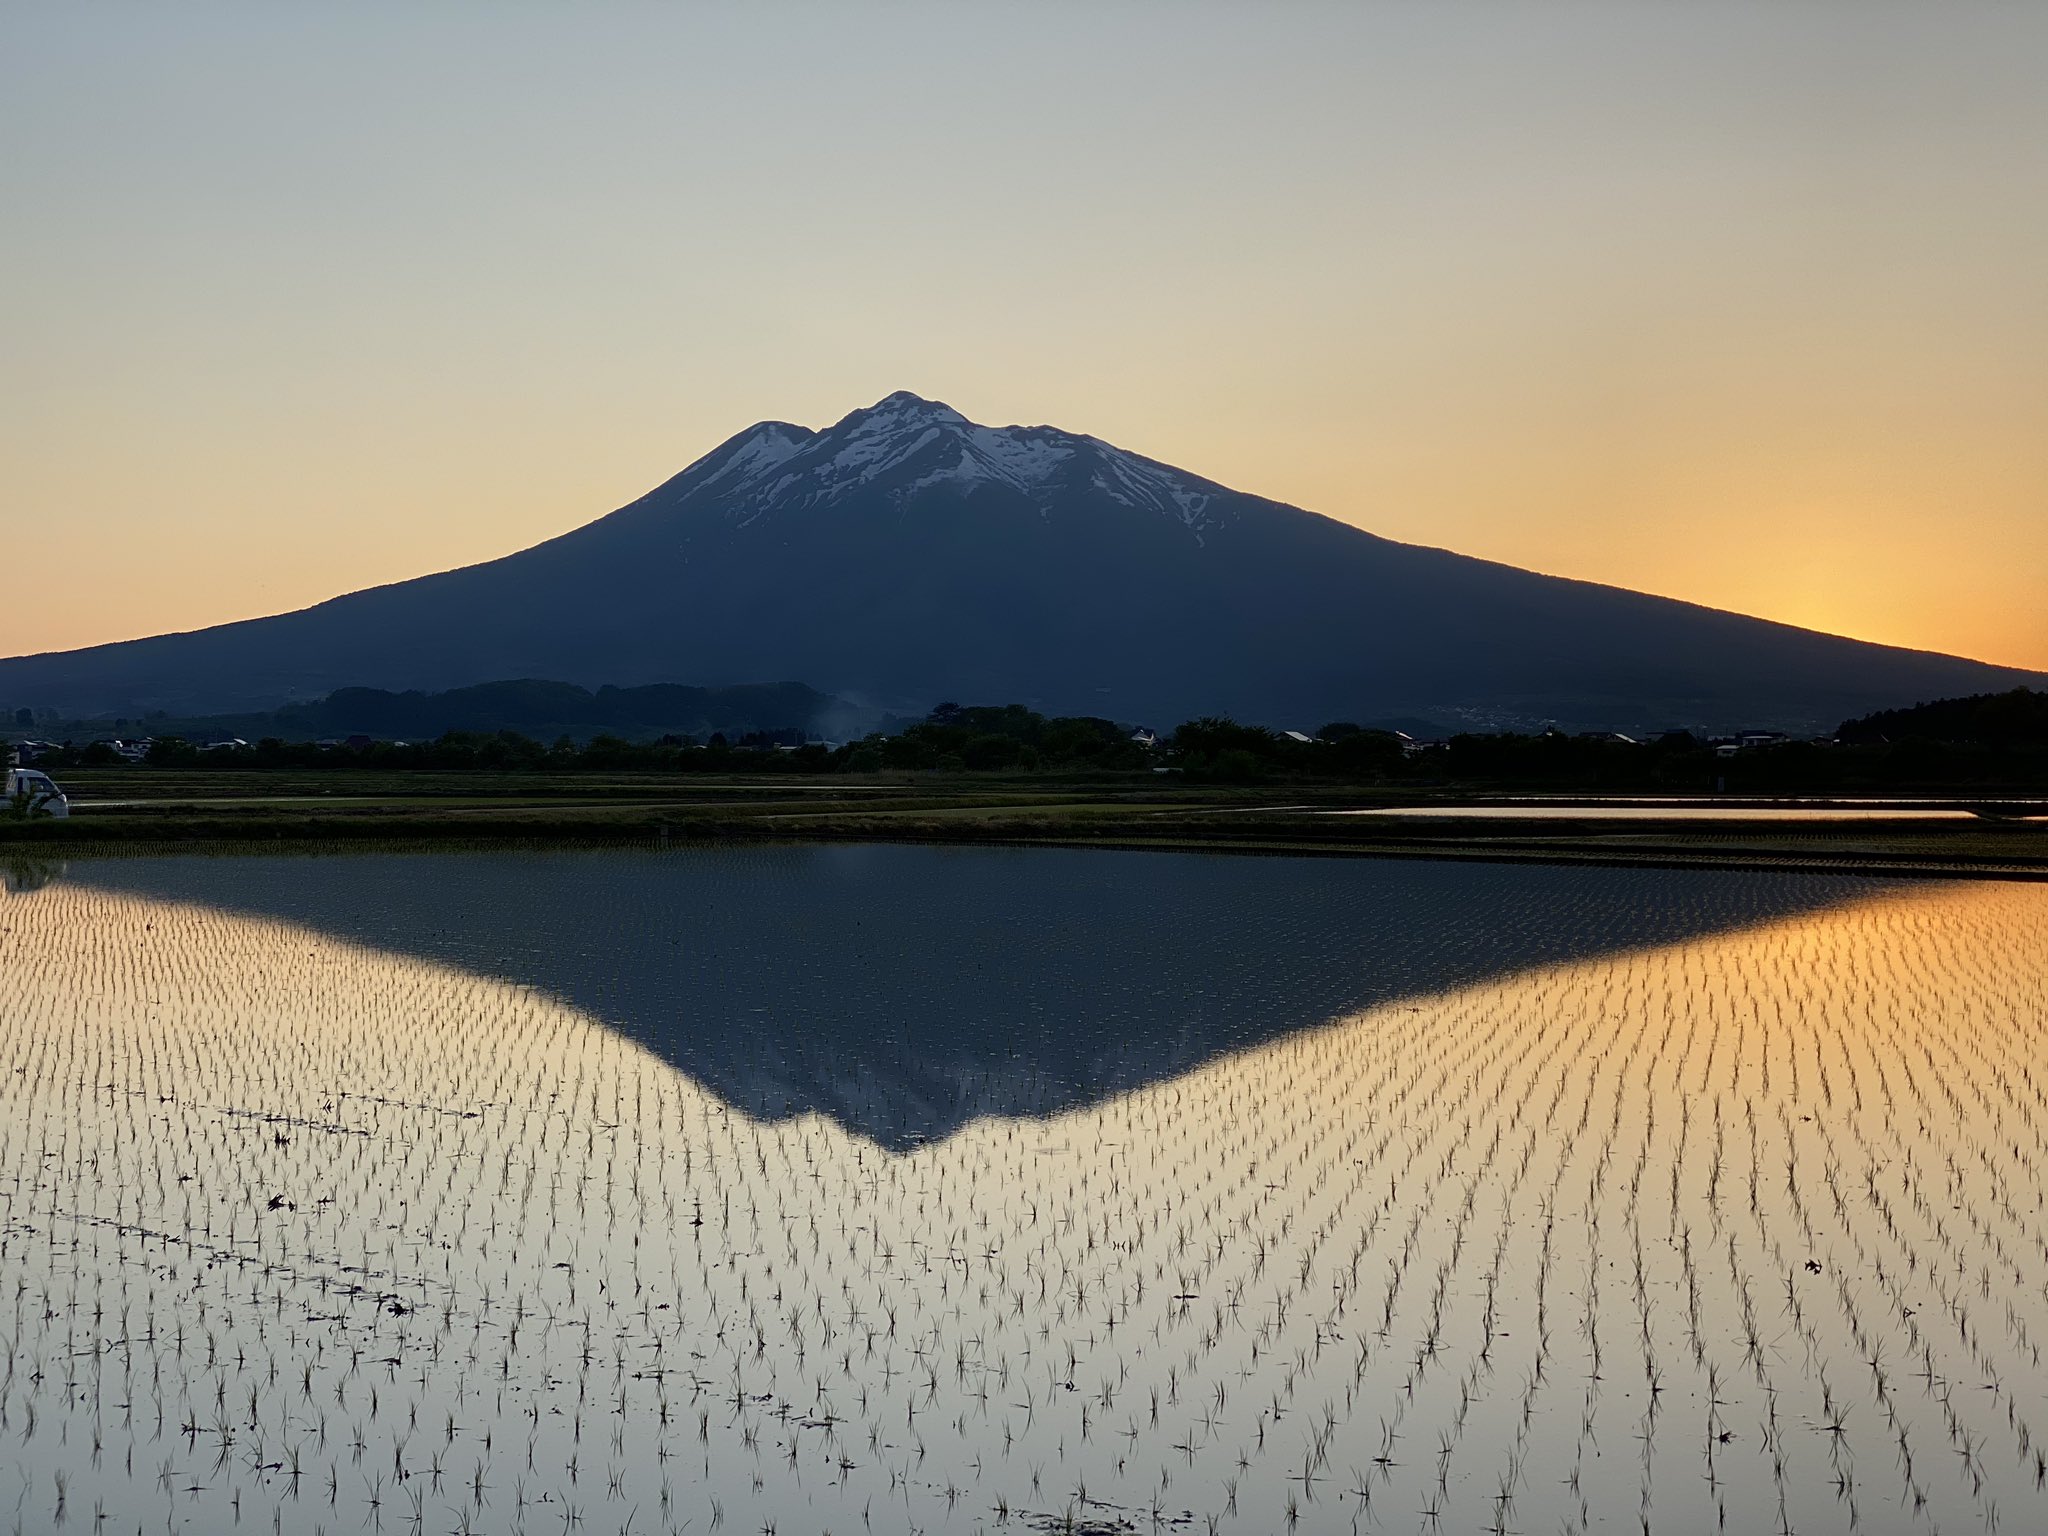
(1745, 304)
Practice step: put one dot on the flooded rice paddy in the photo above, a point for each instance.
(898, 1189)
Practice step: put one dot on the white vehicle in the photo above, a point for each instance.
(34, 791)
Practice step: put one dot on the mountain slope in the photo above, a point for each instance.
(906, 555)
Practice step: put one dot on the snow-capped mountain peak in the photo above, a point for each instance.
(743, 459)
(905, 444)
(898, 411)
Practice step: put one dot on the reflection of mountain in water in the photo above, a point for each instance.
(905, 990)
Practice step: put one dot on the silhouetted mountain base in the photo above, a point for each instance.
(908, 555)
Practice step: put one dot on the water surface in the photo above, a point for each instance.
(846, 1189)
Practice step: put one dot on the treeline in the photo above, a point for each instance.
(497, 751)
(532, 707)
(952, 738)
(984, 738)
(2013, 721)
(1014, 739)
(1676, 762)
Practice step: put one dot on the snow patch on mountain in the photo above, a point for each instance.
(1143, 483)
(1023, 458)
(907, 445)
(742, 460)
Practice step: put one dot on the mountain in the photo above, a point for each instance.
(907, 555)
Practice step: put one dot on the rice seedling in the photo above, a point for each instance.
(1740, 1229)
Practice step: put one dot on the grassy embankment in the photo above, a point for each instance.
(129, 809)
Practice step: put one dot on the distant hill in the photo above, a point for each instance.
(907, 555)
(542, 710)
(2018, 718)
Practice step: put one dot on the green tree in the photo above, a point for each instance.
(988, 752)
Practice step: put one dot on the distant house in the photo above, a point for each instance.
(1144, 737)
(1296, 736)
(1608, 736)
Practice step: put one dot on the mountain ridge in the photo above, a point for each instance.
(906, 554)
